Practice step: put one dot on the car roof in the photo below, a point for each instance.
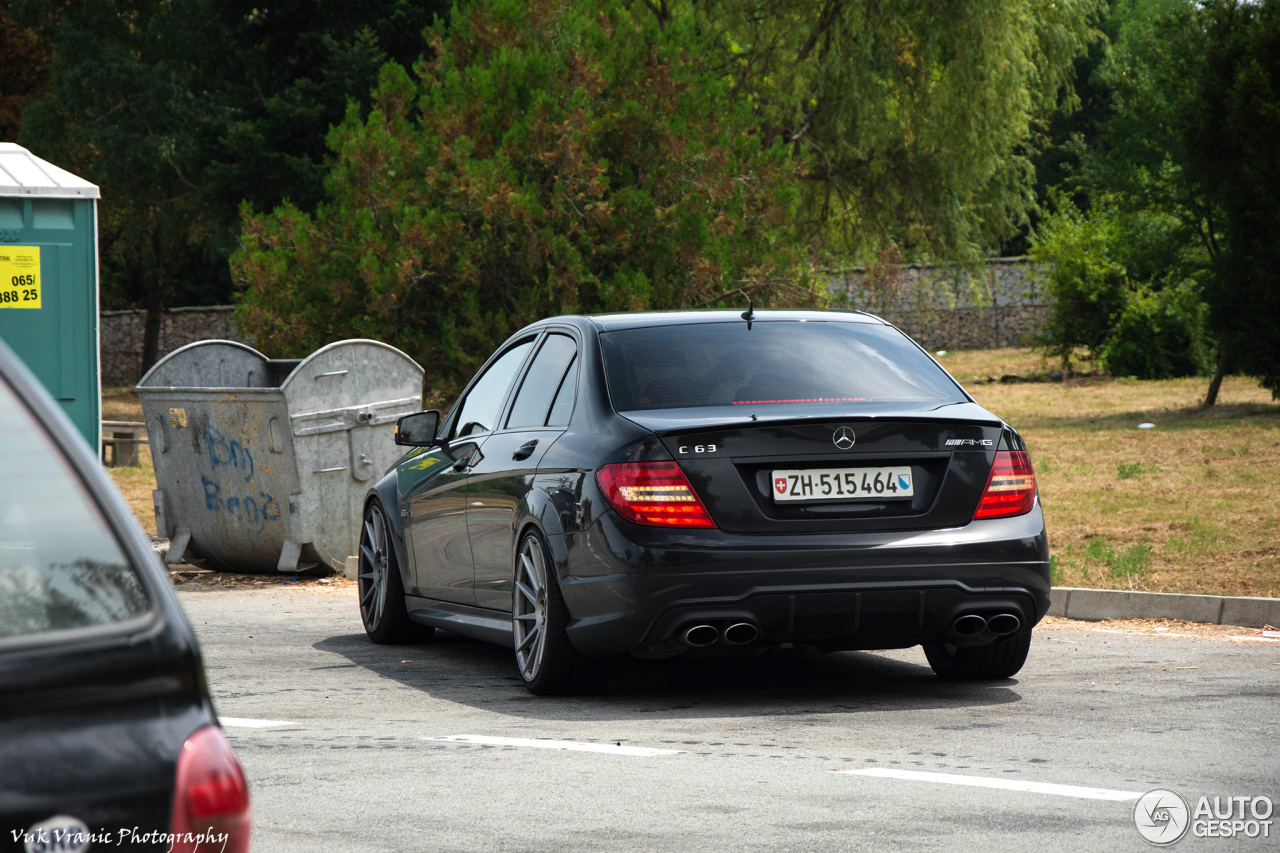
(642, 319)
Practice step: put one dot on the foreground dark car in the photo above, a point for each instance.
(108, 739)
(667, 482)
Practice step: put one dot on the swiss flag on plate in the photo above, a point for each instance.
(780, 483)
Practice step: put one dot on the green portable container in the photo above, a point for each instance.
(49, 280)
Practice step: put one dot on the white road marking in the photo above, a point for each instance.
(1003, 784)
(246, 723)
(570, 745)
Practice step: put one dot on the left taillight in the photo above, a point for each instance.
(210, 798)
(652, 493)
(1011, 487)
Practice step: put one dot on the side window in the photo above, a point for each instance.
(60, 565)
(481, 408)
(562, 408)
(545, 375)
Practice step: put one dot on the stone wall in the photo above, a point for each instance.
(921, 299)
(123, 333)
(926, 302)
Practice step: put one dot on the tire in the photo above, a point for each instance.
(379, 586)
(548, 663)
(1000, 659)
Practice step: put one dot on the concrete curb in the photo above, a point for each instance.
(1095, 605)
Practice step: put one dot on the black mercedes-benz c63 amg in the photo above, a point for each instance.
(659, 483)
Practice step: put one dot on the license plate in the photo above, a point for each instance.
(842, 484)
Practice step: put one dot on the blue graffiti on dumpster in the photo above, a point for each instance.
(255, 511)
(227, 453)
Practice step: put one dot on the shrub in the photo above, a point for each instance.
(1160, 335)
(1122, 286)
(1088, 289)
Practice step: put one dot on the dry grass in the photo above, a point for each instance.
(122, 404)
(972, 366)
(1192, 505)
(136, 485)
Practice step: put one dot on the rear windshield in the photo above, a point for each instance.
(60, 566)
(775, 362)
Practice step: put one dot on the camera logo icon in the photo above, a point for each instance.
(1162, 817)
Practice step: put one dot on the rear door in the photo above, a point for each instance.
(441, 480)
(501, 482)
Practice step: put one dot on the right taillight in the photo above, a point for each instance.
(1011, 488)
(210, 799)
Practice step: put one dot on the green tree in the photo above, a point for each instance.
(181, 110)
(1195, 136)
(291, 69)
(122, 112)
(24, 71)
(1125, 284)
(551, 158)
(920, 117)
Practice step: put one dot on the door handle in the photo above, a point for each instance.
(470, 460)
(525, 450)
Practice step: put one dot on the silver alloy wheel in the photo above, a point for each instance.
(530, 608)
(375, 563)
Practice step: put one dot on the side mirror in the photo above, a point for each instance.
(418, 429)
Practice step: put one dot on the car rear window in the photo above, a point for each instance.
(775, 362)
(61, 567)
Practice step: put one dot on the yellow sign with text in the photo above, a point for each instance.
(19, 276)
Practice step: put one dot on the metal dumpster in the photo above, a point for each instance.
(263, 464)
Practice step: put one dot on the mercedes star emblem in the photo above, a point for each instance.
(844, 438)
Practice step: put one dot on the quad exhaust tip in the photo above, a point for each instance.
(969, 625)
(741, 633)
(700, 636)
(1004, 624)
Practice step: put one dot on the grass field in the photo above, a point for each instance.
(1191, 505)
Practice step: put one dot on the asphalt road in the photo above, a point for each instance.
(755, 742)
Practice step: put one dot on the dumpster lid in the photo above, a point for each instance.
(212, 364)
(24, 174)
(342, 349)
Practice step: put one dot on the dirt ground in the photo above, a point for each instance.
(195, 579)
(1191, 504)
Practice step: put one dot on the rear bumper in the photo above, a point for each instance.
(631, 587)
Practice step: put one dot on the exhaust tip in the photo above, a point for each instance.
(1004, 624)
(969, 625)
(700, 636)
(741, 633)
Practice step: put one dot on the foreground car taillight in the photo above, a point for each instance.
(210, 800)
(653, 493)
(1011, 488)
